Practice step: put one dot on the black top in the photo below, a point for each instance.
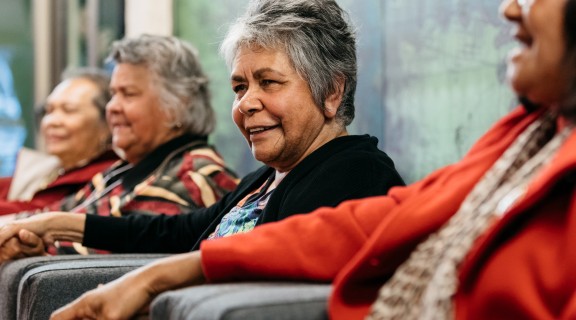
(348, 167)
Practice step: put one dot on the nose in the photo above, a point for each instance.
(249, 104)
(512, 9)
(52, 119)
(113, 106)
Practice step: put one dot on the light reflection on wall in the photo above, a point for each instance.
(12, 132)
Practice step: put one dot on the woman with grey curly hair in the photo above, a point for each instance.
(174, 74)
(177, 73)
(160, 117)
(321, 46)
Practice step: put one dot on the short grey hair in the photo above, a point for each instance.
(317, 36)
(176, 69)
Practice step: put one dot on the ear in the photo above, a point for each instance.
(333, 101)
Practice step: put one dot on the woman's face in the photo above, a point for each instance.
(72, 127)
(535, 68)
(275, 111)
(135, 115)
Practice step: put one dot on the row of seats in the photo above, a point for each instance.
(32, 288)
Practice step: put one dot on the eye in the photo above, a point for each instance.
(238, 88)
(129, 94)
(48, 109)
(267, 82)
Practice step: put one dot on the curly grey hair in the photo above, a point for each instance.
(317, 36)
(176, 69)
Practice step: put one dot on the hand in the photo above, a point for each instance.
(120, 299)
(131, 294)
(47, 227)
(24, 244)
(36, 225)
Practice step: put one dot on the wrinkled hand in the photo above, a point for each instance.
(37, 225)
(123, 298)
(131, 294)
(23, 244)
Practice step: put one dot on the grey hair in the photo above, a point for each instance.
(175, 66)
(99, 78)
(318, 38)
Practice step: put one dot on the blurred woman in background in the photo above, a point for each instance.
(74, 131)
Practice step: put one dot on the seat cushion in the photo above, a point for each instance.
(32, 288)
(244, 301)
(10, 275)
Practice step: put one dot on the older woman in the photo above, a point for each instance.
(73, 128)
(490, 237)
(160, 117)
(294, 80)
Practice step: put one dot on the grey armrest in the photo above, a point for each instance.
(10, 275)
(32, 288)
(244, 301)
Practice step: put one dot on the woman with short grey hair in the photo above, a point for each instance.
(321, 47)
(160, 117)
(175, 68)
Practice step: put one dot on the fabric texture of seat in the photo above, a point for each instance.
(34, 287)
(254, 301)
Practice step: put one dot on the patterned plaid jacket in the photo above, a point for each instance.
(182, 175)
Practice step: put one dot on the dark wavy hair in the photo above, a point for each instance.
(568, 106)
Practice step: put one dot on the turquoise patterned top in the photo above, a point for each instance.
(242, 218)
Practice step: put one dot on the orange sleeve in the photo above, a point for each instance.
(311, 247)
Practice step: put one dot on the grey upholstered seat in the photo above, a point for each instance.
(244, 301)
(10, 275)
(32, 288)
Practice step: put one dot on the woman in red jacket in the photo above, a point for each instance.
(489, 237)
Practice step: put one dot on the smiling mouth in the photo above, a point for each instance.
(524, 39)
(119, 126)
(260, 129)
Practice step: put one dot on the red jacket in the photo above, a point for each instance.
(523, 267)
(66, 184)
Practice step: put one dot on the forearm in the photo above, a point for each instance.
(64, 226)
(171, 273)
(140, 233)
(34, 233)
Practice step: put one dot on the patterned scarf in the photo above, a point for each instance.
(423, 286)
